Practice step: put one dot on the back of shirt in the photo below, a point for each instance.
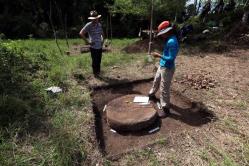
(170, 52)
(95, 32)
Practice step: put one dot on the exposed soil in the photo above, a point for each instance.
(142, 46)
(78, 49)
(123, 74)
(185, 115)
(186, 143)
(202, 80)
(238, 38)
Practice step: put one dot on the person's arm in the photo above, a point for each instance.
(102, 36)
(156, 55)
(83, 32)
(172, 51)
(83, 35)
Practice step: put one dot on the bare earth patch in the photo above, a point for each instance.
(224, 141)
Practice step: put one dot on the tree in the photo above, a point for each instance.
(163, 9)
(21, 18)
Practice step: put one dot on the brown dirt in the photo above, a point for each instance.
(122, 74)
(202, 80)
(238, 37)
(78, 49)
(186, 144)
(237, 30)
(142, 46)
(186, 115)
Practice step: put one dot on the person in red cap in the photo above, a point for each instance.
(166, 68)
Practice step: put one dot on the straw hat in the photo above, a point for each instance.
(94, 15)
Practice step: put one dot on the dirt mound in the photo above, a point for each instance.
(238, 35)
(125, 115)
(142, 46)
(237, 30)
(202, 80)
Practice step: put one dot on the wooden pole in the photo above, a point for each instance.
(151, 28)
(53, 28)
(111, 25)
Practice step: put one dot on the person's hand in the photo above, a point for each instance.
(89, 42)
(155, 54)
(92, 43)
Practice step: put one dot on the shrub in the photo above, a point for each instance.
(17, 94)
(196, 22)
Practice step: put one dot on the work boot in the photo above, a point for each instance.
(96, 74)
(163, 113)
(152, 97)
(166, 110)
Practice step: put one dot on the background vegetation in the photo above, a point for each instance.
(34, 18)
(40, 128)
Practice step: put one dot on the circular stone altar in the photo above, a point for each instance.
(125, 115)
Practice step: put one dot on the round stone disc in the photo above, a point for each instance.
(123, 114)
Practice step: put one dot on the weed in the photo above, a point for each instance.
(107, 163)
(161, 141)
(237, 104)
(227, 160)
(150, 155)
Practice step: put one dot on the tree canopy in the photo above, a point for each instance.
(24, 18)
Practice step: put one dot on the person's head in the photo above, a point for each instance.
(165, 29)
(94, 17)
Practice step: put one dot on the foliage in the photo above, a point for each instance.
(37, 128)
(134, 7)
(21, 18)
(196, 22)
(142, 8)
(18, 96)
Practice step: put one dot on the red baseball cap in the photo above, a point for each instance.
(164, 27)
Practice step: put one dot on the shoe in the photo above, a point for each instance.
(166, 110)
(163, 113)
(96, 75)
(152, 97)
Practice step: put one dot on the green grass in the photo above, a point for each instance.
(59, 130)
(216, 156)
(147, 155)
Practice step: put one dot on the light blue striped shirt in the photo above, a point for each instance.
(95, 32)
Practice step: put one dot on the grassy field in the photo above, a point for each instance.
(38, 128)
(55, 129)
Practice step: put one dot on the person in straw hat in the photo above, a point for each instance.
(166, 68)
(96, 38)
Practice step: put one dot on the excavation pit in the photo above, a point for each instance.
(185, 115)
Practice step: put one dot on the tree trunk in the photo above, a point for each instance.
(195, 4)
(199, 6)
(245, 17)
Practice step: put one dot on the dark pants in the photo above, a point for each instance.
(96, 55)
